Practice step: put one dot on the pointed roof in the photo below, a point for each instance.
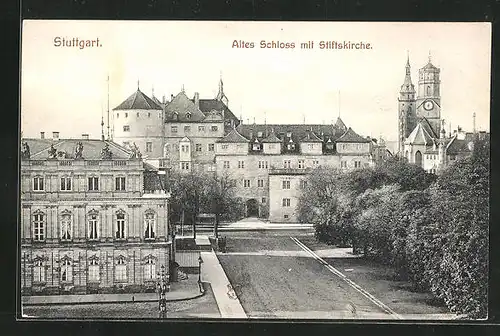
(184, 108)
(428, 127)
(407, 84)
(234, 137)
(457, 146)
(156, 100)
(138, 101)
(311, 137)
(420, 136)
(351, 136)
(339, 124)
(272, 138)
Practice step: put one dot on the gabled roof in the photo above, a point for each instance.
(156, 100)
(311, 137)
(420, 136)
(234, 137)
(428, 127)
(339, 124)
(181, 108)
(457, 146)
(351, 136)
(207, 105)
(429, 65)
(91, 148)
(138, 101)
(272, 138)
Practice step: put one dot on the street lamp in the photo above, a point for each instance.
(162, 286)
(200, 261)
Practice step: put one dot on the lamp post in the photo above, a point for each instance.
(162, 292)
(200, 261)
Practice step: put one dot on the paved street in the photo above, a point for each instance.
(275, 278)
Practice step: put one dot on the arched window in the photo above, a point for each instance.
(93, 225)
(39, 226)
(149, 225)
(94, 274)
(418, 158)
(66, 270)
(121, 231)
(38, 270)
(66, 226)
(150, 268)
(121, 269)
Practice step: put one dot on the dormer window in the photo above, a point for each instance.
(188, 115)
(175, 116)
(289, 134)
(259, 134)
(256, 146)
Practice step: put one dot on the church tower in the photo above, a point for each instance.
(221, 96)
(406, 110)
(429, 96)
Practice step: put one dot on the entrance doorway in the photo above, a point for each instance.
(252, 208)
(418, 159)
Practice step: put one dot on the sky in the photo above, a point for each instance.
(65, 89)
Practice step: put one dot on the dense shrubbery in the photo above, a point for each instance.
(433, 231)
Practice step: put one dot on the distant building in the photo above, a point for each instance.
(93, 218)
(422, 138)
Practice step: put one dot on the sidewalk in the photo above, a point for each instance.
(179, 291)
(212, 272)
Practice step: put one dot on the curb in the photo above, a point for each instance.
(115, 301)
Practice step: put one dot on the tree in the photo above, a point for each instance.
(219, 197)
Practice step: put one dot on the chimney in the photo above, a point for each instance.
(42, 135)
(171, 97)
(55, 135)
(197, 99)
(163, 99)
(85, 136)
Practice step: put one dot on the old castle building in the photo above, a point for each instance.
(422, 137)
(93, 218)
(267, 161)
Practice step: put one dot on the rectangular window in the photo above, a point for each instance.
(149, 226)
(310, 146)
(173, 129)
(66, 227)
(214, 128)
(120, 183)
(241, 164)
(286, 184)
(94, 275)
(187, 129)
(211, 147)
(301, 164)
(65, 183)
(126, 128)
(39, 227)
(357, 164)
(315, 163)
(93, 183)
(120, 226)
(198, 147)
(149, 147)
(38, 271)
(286, 164)
(260, 183)
(93, 226)
(185, 165)
(224, 147)
(263, 200)
(201, 128)
(246, 183)
(226, 164)
(286, 202)
(38, 184)
(66, 271)
(185, 148)
(343, 164)
(271, 146)
(121, 270)
(303, 183)
(285, 216)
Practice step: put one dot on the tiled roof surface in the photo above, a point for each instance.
(207, 105)
(339, 124)
(272, 138)
(138, 101)
(419, 136)
(311, 137)
(184, 108)
(351, 136)
(428, 127)
(457, 146)
(234, 137)
(429, 65)
(91, 148)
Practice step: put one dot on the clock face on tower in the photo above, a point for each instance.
(428, 105)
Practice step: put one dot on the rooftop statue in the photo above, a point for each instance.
(52, 152)
(79, 150)
(136, 153)
(25, 152)
(106, 153)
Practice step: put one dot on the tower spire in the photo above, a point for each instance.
(108, 106)
(429, 56)
(102, 122)
(408, 63)
(474, 122)
(138, 85)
